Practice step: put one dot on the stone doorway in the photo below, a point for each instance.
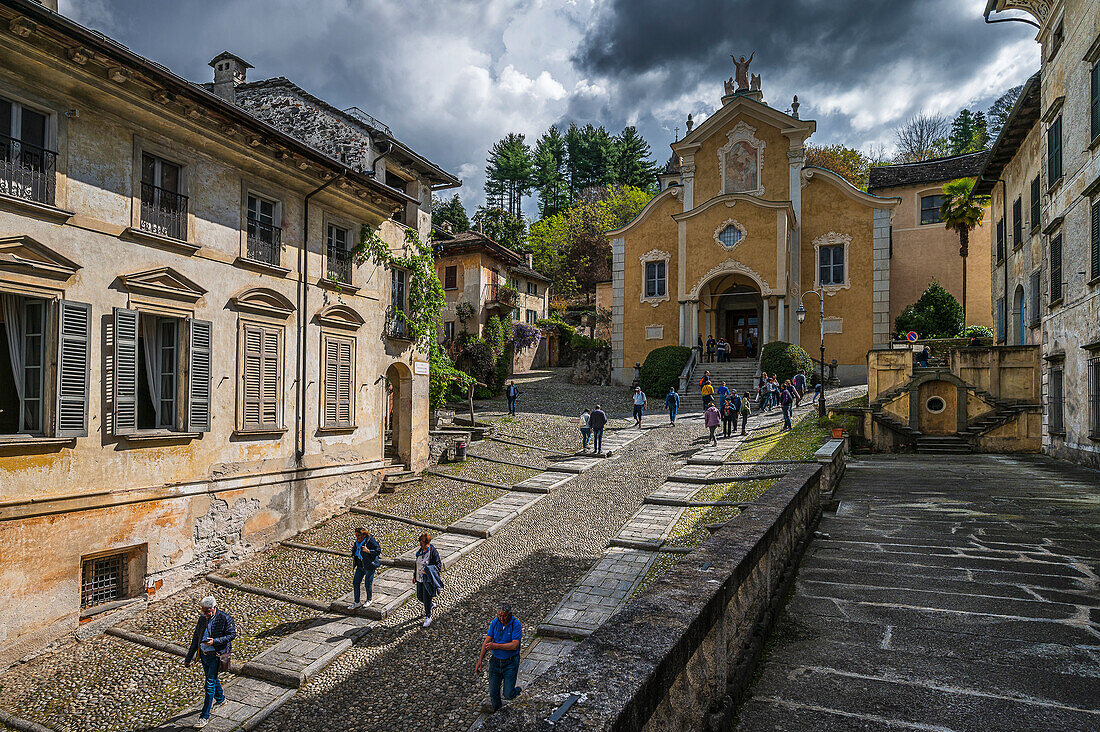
(397, 414)
(740, 325)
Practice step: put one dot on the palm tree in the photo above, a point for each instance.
(962, 211)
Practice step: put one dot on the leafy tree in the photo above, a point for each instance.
(501, 226)
(937, 314)
(847, 162)
(550, 176)
(1001, 109)
(981, 133)
(452, 211)
(590, 158)
(633, 166)
(922, 137)
(509, 173)
(962, 212)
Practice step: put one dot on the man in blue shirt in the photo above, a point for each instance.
(503, 639)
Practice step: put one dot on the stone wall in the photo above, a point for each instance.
(679, 656)
(592, 366)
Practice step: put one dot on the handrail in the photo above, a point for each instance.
(689, 368)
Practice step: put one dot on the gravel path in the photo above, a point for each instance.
(402, 676)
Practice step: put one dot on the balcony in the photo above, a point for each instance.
(163, 212)
(264, 243)
(500, 295)
(339, 265)
(27, 171)
(396, 326)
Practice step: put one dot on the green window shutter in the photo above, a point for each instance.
(1095, 269)
(252, 377)
(74, 324)
(125, 371)
(199, 375)
(1056, 269)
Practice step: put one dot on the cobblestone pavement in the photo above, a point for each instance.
(946, 593)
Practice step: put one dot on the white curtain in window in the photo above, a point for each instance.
(152, 361)
(14, 327)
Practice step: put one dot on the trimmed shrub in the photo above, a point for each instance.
(977, 331)
(783, 360)
(662, 368)
(937, 314)
(580, 342)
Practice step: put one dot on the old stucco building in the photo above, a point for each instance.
(1043, 174)
(191, 359)
(922, 248)
(741, 229)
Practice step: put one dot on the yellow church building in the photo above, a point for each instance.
(740, 230)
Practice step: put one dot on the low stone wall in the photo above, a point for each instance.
(832, 456)
(679, 656)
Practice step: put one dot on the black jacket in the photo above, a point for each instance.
(370, 559)
(222, 632)
(597, 420)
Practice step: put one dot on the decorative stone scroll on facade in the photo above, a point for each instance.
(731, 266)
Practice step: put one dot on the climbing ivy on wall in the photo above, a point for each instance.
(425, 291)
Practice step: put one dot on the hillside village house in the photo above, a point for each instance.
(190, 360)
(493, 280)
(740, 229)
(1043, 174)
(922, 248)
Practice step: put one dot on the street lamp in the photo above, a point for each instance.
(801, 313)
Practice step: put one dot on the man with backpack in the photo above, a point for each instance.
(786, 402)
(745, 409)
(672, 404)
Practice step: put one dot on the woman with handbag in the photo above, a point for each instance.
(365, 559)
(213, 642)
(427, 574)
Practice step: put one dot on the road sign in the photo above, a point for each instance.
(912, 336)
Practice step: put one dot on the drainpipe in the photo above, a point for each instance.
(1004, 215)
(303, 319)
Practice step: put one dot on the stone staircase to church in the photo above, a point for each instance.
(741, 374)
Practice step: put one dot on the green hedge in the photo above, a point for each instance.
(784, 360)
(662, 368)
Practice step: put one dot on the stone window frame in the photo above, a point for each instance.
(1056, 400)
(259, 189)
(833, 239)
(742, 132)
(653, 256)
(186, 160)
(923, 194)
(331, 218)
(351, 339)
(56, 136)
(725, 225)
(277, 328)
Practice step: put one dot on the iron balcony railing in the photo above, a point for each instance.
(397, 326)
(27, 171)
(264, 243)
(501, 294)
(339, 265)
(163, 212)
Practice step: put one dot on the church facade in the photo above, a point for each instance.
(740, 230)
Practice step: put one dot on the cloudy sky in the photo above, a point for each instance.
(452, 76)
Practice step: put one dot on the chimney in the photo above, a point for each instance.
(229, 72)
(530, 260)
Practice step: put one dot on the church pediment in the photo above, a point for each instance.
(747, 107)
(263, 301)
(163, 282)
(27, 256)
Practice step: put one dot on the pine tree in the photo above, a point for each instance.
(981, 133)
(632, 164)
(452, 211)
(962, 132)
(508, 173)
(591, 155)
(550, 178)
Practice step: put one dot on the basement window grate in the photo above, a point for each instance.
(102, 580)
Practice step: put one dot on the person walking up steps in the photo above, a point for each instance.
(639, 405)
(722, 392)
(427, 573)
(597, 421)
(586, 430)
(213, 642)
(502, 641)
(512, 392)
(712, 419)
(786, 401)
(728, 418)
(365, 553)
(746, 408)
(708, 393)
(672, 404)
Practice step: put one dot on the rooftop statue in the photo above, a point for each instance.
(742, 72)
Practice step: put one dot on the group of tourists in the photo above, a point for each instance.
(721, 350)
(215, 630)
(592, 426)
(787, 396)
(722, 406)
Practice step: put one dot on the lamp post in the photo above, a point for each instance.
(801, 313)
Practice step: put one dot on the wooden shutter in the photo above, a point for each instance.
(269, 390)
(1036, 297)
(125, 371)
(74, 325)
(332, 356)
(199, 375)
(1094, 272)
(252, 377)
(1056, 269)
(339, 378)
(344, 383)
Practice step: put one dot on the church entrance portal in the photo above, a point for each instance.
(740, 325)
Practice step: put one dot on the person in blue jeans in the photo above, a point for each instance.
(786, 401)
(512, 392)
(365, 553)
(639, 405)
(672, 404)
(596, 421)
(212, 640)
(586, 431)
(502, 640)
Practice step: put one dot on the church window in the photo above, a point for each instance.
(930, 209)
(730, 236)
(832, 265)
(655, 279)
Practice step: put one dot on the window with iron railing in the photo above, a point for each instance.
(339, 254)
(163, 205)
(264, 241)
(397, 325)
(102, 580)
(28, 167)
